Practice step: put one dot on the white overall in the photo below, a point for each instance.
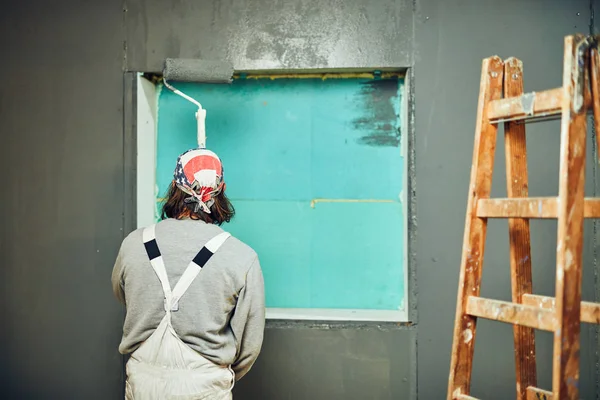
(164, 367)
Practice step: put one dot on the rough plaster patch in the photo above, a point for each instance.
(300, 35)
(527, 101)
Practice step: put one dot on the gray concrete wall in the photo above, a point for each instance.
(333, 362)
(261, 34)
(65, 163)
(61, 207)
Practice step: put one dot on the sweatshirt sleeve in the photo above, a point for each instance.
(248, 321)
(117, 277)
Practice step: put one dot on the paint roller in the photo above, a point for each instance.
(200, 71)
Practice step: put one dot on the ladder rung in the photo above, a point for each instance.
(512, 313)
(534, 393)
(529, 105)
(530, 207)
(590, 312)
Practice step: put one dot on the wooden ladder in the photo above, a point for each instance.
(501, 100)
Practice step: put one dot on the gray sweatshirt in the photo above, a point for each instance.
(222, 314)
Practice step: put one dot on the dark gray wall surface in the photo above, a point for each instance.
(308, 362)
(261, 34)
(61, 167)
(64, 168)
(452, 37)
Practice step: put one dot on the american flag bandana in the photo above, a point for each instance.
(199, 173)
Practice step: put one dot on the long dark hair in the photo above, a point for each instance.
(175, 207)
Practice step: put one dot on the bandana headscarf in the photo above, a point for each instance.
(199, 173)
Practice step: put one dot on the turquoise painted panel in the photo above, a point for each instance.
(326, 256)
(357, 256)
(286, 142)
(285, 256)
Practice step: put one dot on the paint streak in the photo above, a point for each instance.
(467, 335)
(569, 260)
(380, 112)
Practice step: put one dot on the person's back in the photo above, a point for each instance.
(217, 324)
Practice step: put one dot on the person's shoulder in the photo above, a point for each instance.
(133, 237)
(241, 247)
(241, 253)
(131, 242)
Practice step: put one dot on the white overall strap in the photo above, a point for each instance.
(149, 238)
(196, 265)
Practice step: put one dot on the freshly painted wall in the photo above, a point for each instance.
(66, 167)
(316, 172)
